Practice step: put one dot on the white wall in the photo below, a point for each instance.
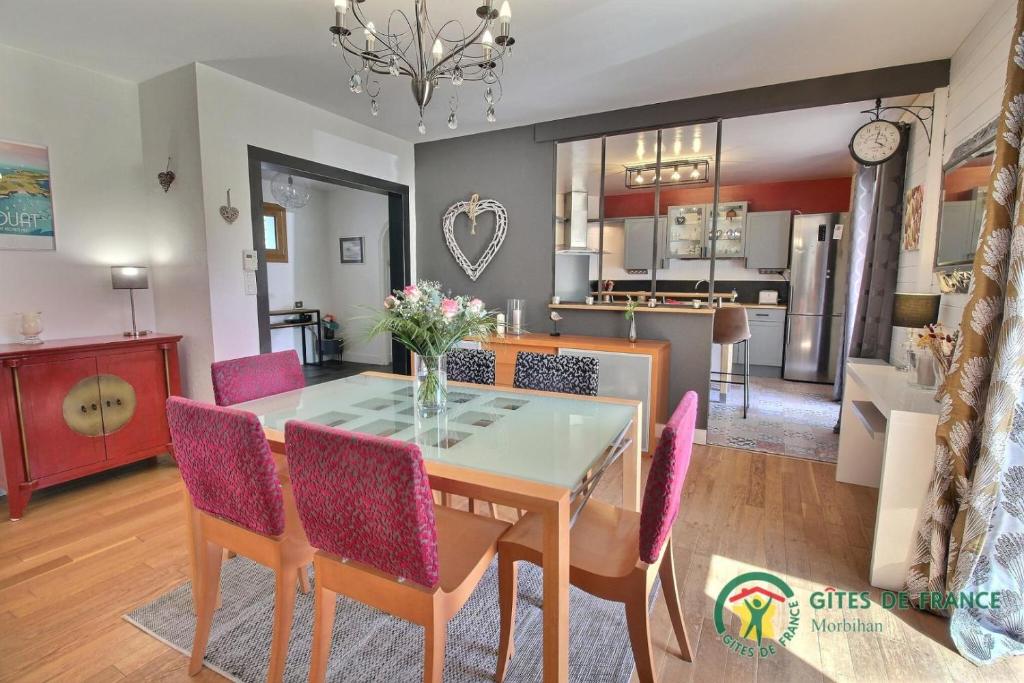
(177, 229)
(233, 114)
(357, 288)
(973, 99)
(90, 122)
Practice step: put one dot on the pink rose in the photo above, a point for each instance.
(449, 308)
(412, 292)
(476, 306)
(390, 302)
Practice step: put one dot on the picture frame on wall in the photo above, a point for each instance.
(26, 200)
(351, 249)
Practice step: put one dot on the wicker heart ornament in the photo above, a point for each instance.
(473, 208)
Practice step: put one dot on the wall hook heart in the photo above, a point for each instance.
(228, 212)
(165, 178)
(472, 209)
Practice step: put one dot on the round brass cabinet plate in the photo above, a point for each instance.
(118, 399)
(82, 408)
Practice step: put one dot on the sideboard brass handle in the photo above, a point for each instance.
(84, 409)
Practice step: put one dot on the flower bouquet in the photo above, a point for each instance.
(429, 322)
(934, 345)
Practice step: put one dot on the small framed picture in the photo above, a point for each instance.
(351, 249)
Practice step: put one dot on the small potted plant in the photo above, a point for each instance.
(330, 325)
(429, 322)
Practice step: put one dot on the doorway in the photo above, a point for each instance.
(333, 254)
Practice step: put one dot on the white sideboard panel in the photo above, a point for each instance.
(623, 375)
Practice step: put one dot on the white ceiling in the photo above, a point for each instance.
(571, 57)
(795, 145)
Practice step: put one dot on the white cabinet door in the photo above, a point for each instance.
(623, 375)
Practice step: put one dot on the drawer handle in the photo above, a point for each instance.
(84, 409)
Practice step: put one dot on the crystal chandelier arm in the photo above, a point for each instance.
(394, 49)
(459, 52)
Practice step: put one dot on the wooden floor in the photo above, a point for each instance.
(88, 553)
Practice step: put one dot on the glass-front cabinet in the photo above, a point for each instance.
(730, 230)
(686, 228)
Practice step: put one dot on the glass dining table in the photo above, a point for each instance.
(530, 450)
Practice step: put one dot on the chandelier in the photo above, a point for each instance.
(288, 193)
(427, 56)
(688, 171)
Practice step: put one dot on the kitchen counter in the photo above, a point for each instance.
(660, 308)
(577, 341)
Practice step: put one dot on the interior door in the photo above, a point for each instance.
(133, 390)
(61, 412)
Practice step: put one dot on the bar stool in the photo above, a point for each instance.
(731, 327)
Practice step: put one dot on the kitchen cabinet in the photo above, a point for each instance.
(638, 244)
(730, 228)
(768, 238)
(70, 408)
(767, 337)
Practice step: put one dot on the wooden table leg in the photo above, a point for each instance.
(556, 591)
(631, 465)
(194, 552)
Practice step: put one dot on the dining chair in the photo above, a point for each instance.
(615, 554)
(366, 505)
(553, 372)
(246, 379)
(471, 365)
(239, 505)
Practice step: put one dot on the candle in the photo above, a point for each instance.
(517, 317)
(500, 326)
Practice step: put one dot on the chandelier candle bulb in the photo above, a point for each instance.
(341, 7)
(371, 38)
(438, 51)
(505, 19)
(487, 40)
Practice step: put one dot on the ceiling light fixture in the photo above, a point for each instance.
(454, 54)
(288, 193)
(698, 175)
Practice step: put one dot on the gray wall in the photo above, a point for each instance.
(508, 166)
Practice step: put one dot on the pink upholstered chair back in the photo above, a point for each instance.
(225, 460)
(665, 480)
(364, 498)
(246, 379)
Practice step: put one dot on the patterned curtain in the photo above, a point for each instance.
(972, 536)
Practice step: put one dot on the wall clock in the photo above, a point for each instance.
(875, 142)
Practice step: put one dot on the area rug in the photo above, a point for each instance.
(789, 418)
(372, 646)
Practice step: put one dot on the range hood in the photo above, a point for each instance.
(577, 211)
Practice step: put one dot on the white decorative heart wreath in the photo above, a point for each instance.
(474, 207)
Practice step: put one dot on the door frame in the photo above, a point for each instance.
(398, 228)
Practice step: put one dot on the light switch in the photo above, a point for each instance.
(250, 283)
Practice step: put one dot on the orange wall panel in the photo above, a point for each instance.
(808, 196)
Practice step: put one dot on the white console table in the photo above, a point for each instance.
(887, 441)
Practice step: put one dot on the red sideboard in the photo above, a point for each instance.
(73, 407)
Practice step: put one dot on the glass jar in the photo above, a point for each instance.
(31, 327)
(515, 320)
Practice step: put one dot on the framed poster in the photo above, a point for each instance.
(26, 204)
(912, 219)
(351, 249)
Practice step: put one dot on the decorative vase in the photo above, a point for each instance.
(632, 328)
(922, 369)
(31, 327)
(430, 387)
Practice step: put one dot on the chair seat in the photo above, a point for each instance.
(603, 541)
(463, 540)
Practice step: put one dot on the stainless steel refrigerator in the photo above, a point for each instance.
(819, 275)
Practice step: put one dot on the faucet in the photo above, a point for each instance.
(696, 287)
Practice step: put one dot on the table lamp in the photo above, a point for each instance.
(914, 311)
(131, 278)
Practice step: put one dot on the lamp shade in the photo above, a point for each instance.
(915, 310)
(129, 277)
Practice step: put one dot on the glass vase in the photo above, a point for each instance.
(632, 328)
(922, 369)
(31, 327)
(430, 386)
